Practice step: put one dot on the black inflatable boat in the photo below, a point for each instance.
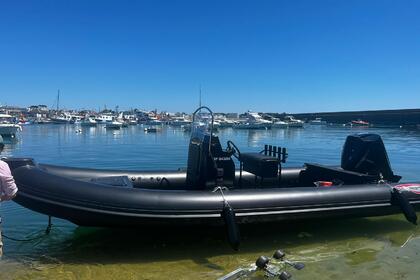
(260, 189)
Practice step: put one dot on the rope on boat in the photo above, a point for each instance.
(219, 188)
(22, 240)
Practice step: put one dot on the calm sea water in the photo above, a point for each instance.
(367, 248)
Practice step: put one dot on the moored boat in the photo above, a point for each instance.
(292, 122)
(114, 124)
(260, 189)
(253, 121)
(63, 118)
(317, 121)
(359, 123)
(8, 128)
(88, 122)
(279, 124)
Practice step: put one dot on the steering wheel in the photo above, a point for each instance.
(233, 150)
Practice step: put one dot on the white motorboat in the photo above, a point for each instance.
(180, 121)
(251, 126)
(122, 120)
(292, 122)
(113, 125)
(89, 121)
(253, 121)
(7, 126)
(154, 122)
(227, 123)
(224, 122)
(279, 124)
(317, 121)
(104, 118)
(63, 118)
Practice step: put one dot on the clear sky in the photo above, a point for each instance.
(275, 56)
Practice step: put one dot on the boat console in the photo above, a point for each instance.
(210, 166)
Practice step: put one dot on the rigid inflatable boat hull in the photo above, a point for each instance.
(89, 203)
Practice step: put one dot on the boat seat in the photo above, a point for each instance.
(317, 172)
(116, 181)
(260, 165)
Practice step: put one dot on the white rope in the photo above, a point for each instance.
(219, 188)
(408, 240)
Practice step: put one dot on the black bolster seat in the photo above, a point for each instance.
(260, 165)
(317, 172)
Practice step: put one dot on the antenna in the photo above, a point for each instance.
(58, 100)
(199, 103)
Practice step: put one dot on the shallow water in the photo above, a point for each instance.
(349, 249)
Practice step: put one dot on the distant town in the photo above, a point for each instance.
(41, 114)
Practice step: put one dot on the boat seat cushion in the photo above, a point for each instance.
(317, 172)
(260, 165)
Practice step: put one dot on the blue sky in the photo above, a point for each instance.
(276, 56)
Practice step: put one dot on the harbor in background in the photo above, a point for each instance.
(13, 118)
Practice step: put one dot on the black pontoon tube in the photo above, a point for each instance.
(94, 204)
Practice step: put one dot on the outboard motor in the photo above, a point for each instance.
(207, 162)
(366, 153)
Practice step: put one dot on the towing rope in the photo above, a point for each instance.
(23, 240)
(47, 231)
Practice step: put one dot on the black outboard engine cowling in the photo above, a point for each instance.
(366, 153)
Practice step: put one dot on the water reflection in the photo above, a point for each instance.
(10, 144)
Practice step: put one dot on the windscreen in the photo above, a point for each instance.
(202, 122)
